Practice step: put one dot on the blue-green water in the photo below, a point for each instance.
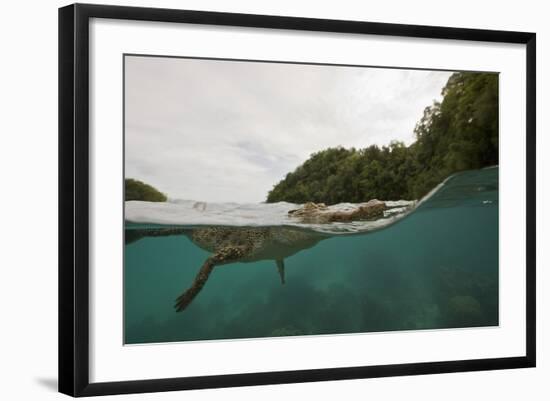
(436, 268)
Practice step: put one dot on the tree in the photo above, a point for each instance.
(459, 133)
(137, 190)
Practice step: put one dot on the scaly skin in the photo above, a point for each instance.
(233, 244)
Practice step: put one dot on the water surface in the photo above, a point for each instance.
(431, 265)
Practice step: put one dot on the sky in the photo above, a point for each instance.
(228, 131)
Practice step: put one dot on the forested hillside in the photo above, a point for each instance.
(138, 190)
(460, 133)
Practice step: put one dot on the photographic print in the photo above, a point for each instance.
(270, 199)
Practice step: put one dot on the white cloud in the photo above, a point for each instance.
(228, 131)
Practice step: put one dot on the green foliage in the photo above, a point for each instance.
(137, 190)
(460, 133)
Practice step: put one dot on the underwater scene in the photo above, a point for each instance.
(211, 271)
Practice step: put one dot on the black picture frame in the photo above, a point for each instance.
(74, 198)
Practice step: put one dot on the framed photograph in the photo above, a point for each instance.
(251, 199)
